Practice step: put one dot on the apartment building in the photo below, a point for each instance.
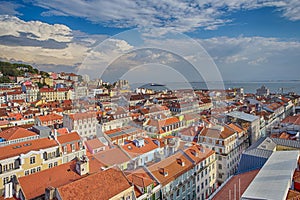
(24, 158)
(205, 170)
(52, 120)
(84, 123)
(228, 143)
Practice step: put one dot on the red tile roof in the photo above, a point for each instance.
(243, 180)
(50, 117)
(102, 185)
(55, 177)
(62, 131)
(140, 177)
(25, 147)
(293, 195)
(16, 133)
(80, 116)
(198, 153)
(172, 167)
(216, 133)
(149, 145)
(42, 90)
(94, 143)
(70, 137)
(112, 156)
(94, 164)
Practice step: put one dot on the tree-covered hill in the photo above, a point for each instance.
(17, 69)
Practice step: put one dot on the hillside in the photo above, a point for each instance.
(17, 69)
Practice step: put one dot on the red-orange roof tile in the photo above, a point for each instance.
(16, 133)
(102, 185)
(25, 147)
(34, 185)
(243, 180)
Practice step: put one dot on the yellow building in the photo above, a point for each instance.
(28, 157)
(24, 158)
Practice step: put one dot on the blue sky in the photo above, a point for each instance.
(245, 39)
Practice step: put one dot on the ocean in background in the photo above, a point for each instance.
(249, 87)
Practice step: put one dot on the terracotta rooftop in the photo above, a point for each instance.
(243, 180)
(50, 117)
(80, 116)
(133, 150)
(62, 131)
(94, 164)
(140, 177)
(217, 133)
(102, 185)
(191, 131)
(16, 133)
(198, 152)
(292, 120)
(25, 147)
(94, 143)
(70, 137)
(170, 168)
(112, 156)
(55, 177)
(293, 195)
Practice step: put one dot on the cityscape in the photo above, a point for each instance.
(162, 100)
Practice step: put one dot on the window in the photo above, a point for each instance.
(220, 166)
(73, 147)
(55, 163)
(32, 171)
(5, 180)
(32, 160)
(38, 169)
(26, 172)
(11, 166)
(50, 165)
(202, 185)
(178, 192)
(206, 182)
(65, 149)
(4, 168)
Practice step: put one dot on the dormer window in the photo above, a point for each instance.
(163, 171)
(180, 162)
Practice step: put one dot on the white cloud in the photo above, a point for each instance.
(74, 53)
(168, 15)
(37, 30)
(254, 57)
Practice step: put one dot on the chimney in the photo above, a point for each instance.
(180, 162)
(50, 193)
(163, 171)
(82, 166)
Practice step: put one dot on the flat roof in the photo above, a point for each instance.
(275, 177)
(243, 116)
